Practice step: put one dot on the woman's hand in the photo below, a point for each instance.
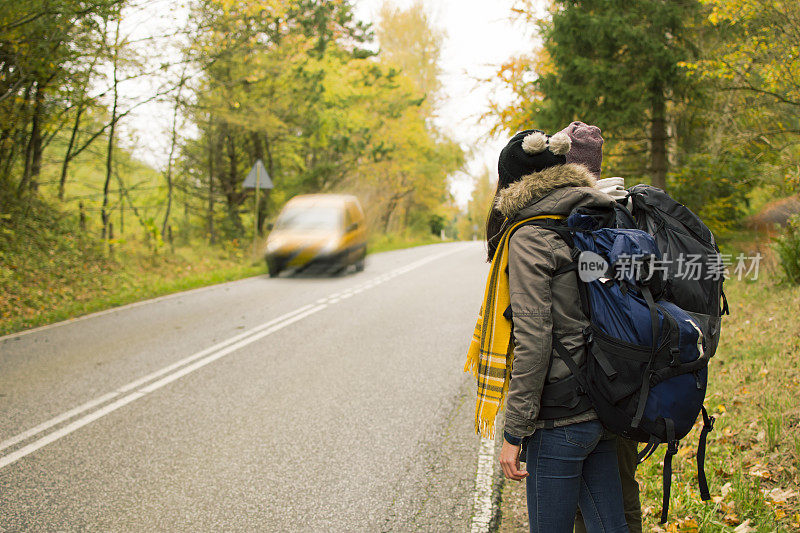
(509, 460)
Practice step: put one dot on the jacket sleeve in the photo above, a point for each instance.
(531, 264)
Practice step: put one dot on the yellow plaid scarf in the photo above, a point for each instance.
(491, 352)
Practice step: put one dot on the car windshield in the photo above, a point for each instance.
(309, 219)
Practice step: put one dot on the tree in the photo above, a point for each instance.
(411, 42)
(614, 64)
(44, 52)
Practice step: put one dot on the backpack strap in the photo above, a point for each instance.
(725, 310)
(708, 426)
(551, 222)
(564, 355)
(645, 388)
(672, 449)
(648, 450)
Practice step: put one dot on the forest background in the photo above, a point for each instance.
(698, 97)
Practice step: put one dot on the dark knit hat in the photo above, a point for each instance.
(531, 151)
(587, 146)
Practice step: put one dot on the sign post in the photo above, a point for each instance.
(255, 210)
(257, 179)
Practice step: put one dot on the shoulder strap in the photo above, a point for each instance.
(549, 221)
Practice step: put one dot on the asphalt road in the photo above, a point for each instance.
(290, 404)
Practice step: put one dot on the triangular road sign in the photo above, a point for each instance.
(258, 174)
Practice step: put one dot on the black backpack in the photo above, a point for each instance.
(680, 233)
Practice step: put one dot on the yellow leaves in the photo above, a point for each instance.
(731, 519)
(760, 471)
(688, 525)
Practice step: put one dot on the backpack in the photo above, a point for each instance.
(645, 369)
(679, 233)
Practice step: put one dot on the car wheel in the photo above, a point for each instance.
(273, 270)
(360, 262)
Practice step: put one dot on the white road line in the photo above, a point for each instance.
(218, 346)
(180, 368)
(230, 349)
(482, 495)
(125, 400)
(57, 420)
(66, 430)
(141, 381)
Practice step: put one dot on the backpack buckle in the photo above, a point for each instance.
(672, 447)
(675, 353)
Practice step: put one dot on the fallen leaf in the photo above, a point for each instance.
(779, 496)
(726, 489)
(744, 527)
(761, 436)
(760, 471)
(731, 519)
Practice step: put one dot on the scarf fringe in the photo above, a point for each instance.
(485, 428)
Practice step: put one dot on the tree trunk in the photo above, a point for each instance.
(658, 138)
(173, 142)
(36, 139)
(387, 215)
(168, 174)
(231, 194)
(110, 150)
(210, 213)
(62, 182)
(27, 171)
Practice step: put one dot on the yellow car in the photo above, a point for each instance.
(318, 233)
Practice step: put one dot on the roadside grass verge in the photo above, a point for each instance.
(50, 271)
(753, 454)
(398, 241)
(37, 292)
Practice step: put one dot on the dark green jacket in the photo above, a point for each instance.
(541, 303)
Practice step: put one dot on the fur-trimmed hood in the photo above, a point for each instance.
(555, 190)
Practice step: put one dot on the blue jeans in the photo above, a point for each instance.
(573, 466)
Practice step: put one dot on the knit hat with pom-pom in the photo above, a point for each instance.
(587, 146)
(531, 151)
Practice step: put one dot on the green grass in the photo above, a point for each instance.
(398, 241)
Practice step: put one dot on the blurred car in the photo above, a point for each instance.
(318, 233)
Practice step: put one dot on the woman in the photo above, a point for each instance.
(571, 461)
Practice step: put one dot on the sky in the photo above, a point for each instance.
(480, 35)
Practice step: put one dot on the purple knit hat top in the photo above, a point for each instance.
(587, 146)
